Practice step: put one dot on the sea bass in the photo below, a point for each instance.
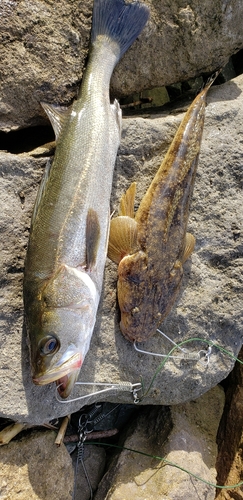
(152, 246)
(69, 230)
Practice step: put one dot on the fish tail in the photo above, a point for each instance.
(119, 21)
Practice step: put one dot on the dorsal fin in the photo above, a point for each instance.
(57, 115)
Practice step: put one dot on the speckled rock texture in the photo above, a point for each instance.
(34, 468)
(191, 445)
(44, 45)
(209, 306)
(43, 49)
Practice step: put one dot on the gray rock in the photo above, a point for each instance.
(209, 306)
(191, 445)
(42, 54)
(44, 46)
(35, 468)
(94, 459)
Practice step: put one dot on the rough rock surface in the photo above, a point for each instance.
(209, 306)
(191, 445)
(44, 44)
(34, 468)
(43, 48)
(94, 458)
(230, 437)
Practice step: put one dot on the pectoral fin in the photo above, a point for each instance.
(123, 238)
(92, 237)
(123, 229)
(189, 246)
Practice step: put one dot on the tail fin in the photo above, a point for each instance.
(119, 21)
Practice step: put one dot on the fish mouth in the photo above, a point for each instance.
(61, 373)
(65, 384)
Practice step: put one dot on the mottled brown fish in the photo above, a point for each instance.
(69, 231)
(152, 246)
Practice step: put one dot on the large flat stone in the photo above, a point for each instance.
(44, 46)
(209, 305)
(35, 468)
(190, 446)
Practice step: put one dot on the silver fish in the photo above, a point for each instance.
(69, 231)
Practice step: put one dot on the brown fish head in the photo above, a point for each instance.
(146, 294)
(132, 285)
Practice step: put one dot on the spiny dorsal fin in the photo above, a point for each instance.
(127, 201)
(189, 246)
(92, 237)
(57, 115)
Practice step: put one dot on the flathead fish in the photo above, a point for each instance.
(69, 230)
(151, 247)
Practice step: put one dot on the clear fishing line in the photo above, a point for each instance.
(168, 462)
(183, 342)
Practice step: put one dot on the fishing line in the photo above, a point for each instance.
(134, 388)
(168, 462)
(111, 388)
(114, 388)
(186, 354)
(86, 424)
(183, 342)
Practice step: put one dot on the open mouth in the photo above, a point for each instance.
(65, 384)
(63, 373)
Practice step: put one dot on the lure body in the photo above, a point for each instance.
(151, 247)
(69, 231)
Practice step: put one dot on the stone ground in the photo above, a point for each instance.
(42, 56)
(209, 306)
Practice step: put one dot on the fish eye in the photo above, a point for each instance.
(49, 345)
